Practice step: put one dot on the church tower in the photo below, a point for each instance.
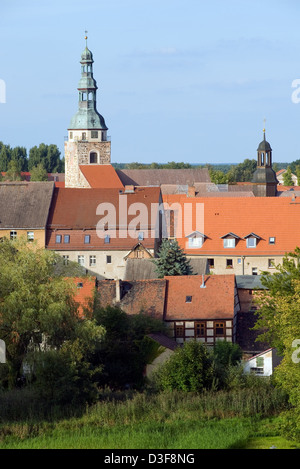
(264, 178)
(87, 142)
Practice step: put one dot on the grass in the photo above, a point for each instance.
(171, 420)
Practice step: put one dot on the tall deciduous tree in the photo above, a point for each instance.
(19, 155)
(279, 319)
(13, 172)
(47, 155)
(38, 173)
(37, 306)
(5, 157)
(172, 260)
(287, 177)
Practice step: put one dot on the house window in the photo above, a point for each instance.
(272, 240)
(254, 270)
(108, 259)
(94, 134)
(87, 239)
(65, 260)
(13, 235)
(83, 136)
(271, 264)
(229, 243)
(195, 242)
(139, 254)
(58, 239)
(251, 242)
(229, 264)
(179, 330)
(188, 299)
(219, 329)
(259, 369)
(81, 260)
(66, 239)
(200, 329)
(30, 236)
(107, 239)
(71, 135)
(92, 261)
(141, 236)
(93, 157)
(211, 263)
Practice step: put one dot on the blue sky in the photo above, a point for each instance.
(178, 80)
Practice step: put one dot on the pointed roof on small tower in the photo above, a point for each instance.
(87, 117)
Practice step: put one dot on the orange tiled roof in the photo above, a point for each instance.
(74, 211)
(85, 289)
(277, 217)
(216, 301)
(101, 176)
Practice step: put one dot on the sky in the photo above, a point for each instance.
(177, 80)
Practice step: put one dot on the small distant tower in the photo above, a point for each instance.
(87, 142)
(264, 178)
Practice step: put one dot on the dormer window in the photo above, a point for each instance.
(252, 240)
(229, 243)
(229, 240)
(196, 240)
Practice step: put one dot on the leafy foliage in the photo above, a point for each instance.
(37, 307)
(38, 173)
(287, 177)
(279, 318)
(190, 368)
(126, 349)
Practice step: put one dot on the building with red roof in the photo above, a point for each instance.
(102, 228)
(240, 235)
(198, 307)
(84, 293)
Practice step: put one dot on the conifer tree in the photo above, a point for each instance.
(171, 260)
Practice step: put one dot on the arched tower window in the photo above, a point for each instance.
(93, 157)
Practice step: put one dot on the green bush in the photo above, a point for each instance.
(190, 368)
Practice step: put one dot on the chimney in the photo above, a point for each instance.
(191, 191)
(129, 189)
(203, 282)
(118, 290)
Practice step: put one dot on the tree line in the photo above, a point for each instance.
(40, 161)
(219, 173)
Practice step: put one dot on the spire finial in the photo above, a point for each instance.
(264, 129)
(85, 37)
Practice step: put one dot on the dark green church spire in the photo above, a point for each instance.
(87, 116)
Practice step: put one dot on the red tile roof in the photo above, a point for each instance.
(101, 176)
(76, 210)
(85, 290)
(216, 301)
(147, 296)
(277, 217)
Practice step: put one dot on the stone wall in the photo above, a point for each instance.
(76, 154)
